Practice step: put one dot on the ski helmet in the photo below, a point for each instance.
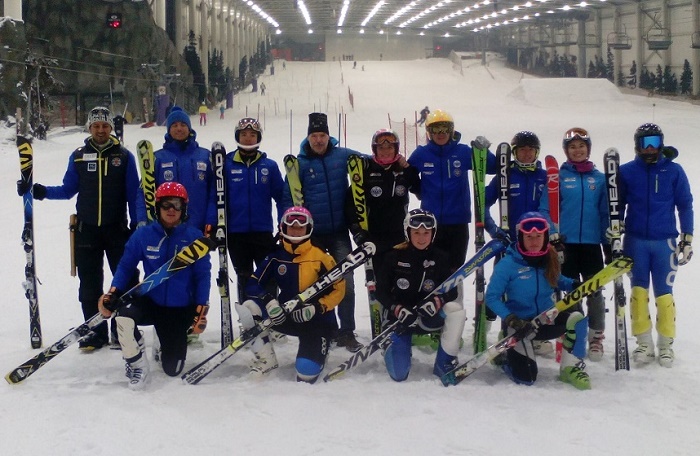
(419, 218)
(532, 222)
(439, 121)
(248, 123)
(385, 136)
(168, 190)
(525, 139)
(573, 134)
(651, 131)
(299, 216)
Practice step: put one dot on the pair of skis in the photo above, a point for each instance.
(183, 259)
(614, 270)
(148, 184)
(383, 339)
(354, 259)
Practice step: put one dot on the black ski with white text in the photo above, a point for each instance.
(218, 153)
(186, 257)
(612, 167)
(26, 162)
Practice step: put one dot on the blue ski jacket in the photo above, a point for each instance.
(190, 165)
(650, 194)
(524, 193)
(250, 189)
(583, 206)
(105, 181)
(324, 183)
(525, 287)
(445, 181)
(151, 245)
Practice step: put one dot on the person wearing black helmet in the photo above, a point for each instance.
(653, 189)
(411, 271)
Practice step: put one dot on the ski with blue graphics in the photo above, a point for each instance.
(291, 169)
(218, 154)
(183, 259)
(26, 163)
(612, 167)
(617, 268)
(479, 156)
(354, 259)
(383, 340)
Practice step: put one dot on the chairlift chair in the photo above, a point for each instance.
(659, 39)
(619, 40)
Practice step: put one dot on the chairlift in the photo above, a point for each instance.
(542, 38)
(591, 40)
(659, 39)
(562, 38)
(695, 40)
(619, 40)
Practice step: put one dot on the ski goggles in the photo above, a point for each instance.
(576, 133)
(249, 122)
(533, 225)
(297, 219)
(386, 139)
(650, 141)
(421, 221)
(439, 128)
(172, 203)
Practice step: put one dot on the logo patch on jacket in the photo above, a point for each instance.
(89, 157)
(376, 191)
(168, 175)
(116, 161)
(282, 269)
(201, 166)
(264, 171)
(92, 167)
(403, 284)
(400, 190)
(428, 285)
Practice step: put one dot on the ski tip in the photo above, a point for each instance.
(611, 150)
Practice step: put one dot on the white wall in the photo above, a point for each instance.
(370, 46)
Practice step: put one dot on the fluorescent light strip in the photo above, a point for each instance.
(373, 12)
(402, 11)
(343, 12)
(269, 19)
(304, 12)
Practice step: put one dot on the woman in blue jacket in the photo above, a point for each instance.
(169, 307)
(583, 221)
(521, 287)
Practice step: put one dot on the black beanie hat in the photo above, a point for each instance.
(318, 122)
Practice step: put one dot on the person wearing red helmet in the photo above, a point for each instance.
(170, 308)
(294, 265)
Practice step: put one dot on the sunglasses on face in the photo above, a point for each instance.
(533, 225)
(650, 141)
(171, 204)
(296, 219)
(419, 221)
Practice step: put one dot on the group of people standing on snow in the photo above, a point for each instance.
(416, 250)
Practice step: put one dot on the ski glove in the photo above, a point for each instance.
(684, 250)
(557, 241)
(22, 187)
(481, 142)
(39, 191)
(360, 237)
(431, 308)
(515, 322)
(200, 318)
(501, 236)
(404, 315)
(109, 301)
(306, 312)
(275, 312)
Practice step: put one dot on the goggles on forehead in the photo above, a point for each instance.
(576, 133)
(296, 219)
(386, 139)
(439, 128)
(650, 141)
(173, 203)
(424, 221)
(533, 225)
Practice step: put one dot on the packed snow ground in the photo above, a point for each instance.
(79, 404)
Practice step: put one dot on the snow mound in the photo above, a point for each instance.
(558, 91)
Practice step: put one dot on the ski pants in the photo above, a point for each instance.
(314, 341)
(92, 243)
(652, 257)
(171, 324)
(247, 249)
(339, 246)
(582, 261)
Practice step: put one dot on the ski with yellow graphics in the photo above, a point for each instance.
(185, 258)
(617, 268)
(147, 165)
(291, 169)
